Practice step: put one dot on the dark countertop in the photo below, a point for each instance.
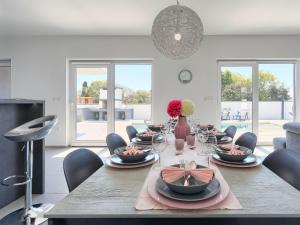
(20, 101)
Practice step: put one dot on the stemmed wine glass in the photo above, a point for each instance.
(202, 136)
(210, 148)
(156, 148)
(164, 131)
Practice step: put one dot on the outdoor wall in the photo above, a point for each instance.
(267, 110)
(40, 71)
(140, 112)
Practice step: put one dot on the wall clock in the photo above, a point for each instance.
(185, 76)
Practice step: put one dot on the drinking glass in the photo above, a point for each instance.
(210, 147)
(164, 131)
(156, 146)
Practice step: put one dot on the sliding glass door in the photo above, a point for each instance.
(236, 97)
(257, 96)
(132, 96)
(106, 97)
(276, 99)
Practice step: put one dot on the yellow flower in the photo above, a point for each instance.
(188, 107)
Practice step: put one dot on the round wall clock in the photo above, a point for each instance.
(185, 76)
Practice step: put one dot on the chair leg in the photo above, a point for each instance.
(28, 174)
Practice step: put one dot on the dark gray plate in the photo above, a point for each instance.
(249, 160)
(116, 160)
(212, 189)
(233, 158)
(138, 141)
(225, 140)
(132, 158)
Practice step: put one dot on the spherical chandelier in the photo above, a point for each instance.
(177, 31)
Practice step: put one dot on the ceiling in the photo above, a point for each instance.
(135, 17)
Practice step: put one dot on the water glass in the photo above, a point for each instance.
(179, 145)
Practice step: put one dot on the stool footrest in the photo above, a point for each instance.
(5, 181)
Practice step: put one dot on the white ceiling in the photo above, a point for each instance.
(135, 17)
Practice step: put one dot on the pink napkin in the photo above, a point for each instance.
(171, 174)
(228, 147)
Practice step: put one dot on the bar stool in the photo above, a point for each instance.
(28, 132)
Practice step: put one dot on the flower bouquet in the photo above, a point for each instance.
(181, 109)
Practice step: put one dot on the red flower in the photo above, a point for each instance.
(174, 108)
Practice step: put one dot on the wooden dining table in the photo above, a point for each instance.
(108, 197)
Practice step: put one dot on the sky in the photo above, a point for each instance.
(135, 77)
(283, 72)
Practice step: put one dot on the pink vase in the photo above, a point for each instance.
(182, 128)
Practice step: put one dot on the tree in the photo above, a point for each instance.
(93, 89)
(235, 87)
(84, 89)
(138, 97)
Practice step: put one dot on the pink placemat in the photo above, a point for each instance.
(146, 202)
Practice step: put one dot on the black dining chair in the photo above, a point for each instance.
(286, 164)
(230, 131)
(131, 132)
(114, 141)
(79, 165)
(247, 140)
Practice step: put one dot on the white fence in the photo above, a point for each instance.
(140, 112)
(267, 110)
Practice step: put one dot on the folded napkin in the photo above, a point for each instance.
(228, 147)
(172, 173)
(236, 152)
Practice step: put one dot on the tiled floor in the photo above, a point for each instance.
(56, 187)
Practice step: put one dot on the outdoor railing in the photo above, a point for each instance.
(86, 100)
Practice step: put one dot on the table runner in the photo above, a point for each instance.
(168, 157)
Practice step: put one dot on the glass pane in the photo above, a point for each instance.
(132, 96)
(236, 98)
(91, 121)
(276, 94)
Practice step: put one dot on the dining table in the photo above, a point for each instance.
(110, 195)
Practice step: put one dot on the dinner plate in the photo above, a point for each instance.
(175, 204)
(138, 141)
(117, 160)
(109, 163)
(225, 140)
(249, 160)
(210, 191)
(257, 163)
(223, 154)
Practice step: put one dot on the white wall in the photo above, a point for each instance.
(39, 68)
(140, 112)
(5, 81)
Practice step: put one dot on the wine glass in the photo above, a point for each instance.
(156, 149)
(210, 148)
(164, 130)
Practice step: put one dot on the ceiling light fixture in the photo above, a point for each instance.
(177, 31)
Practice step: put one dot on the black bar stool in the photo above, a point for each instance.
(31, 131)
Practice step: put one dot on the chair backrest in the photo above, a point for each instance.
(114, 141)
(230, 131)
(286, 164)
(131, 132)
(79, 165)
(247, 140)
